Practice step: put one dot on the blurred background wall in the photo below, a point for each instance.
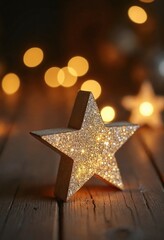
(121, 42)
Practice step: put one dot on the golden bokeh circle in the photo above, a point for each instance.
(92, 86)
(33, 57)
(65, 78)
(137, 14)
(10, 83)
(78, 66)
(107, 114)
(51, 77)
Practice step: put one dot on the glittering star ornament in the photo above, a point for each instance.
(145, 107)
(87, 147)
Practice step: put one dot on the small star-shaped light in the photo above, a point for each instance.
(87, 147)
(145, 107)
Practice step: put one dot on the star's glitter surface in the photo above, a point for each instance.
(145, 107)
(91, 148)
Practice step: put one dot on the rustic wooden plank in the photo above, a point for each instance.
(10, 109)
(28, 202)
(27, 208)
(100, 212)
(153, 142)
(27, 170)
(97, 211)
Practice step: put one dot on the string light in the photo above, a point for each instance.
(137, 14)
(33, 57)
(51, 77)
(10, 83)
(107, 114)
(92, 86)
(78, 66)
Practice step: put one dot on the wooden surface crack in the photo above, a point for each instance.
(9, 209)
(93, 202)
(27, 211)
(105, 217)
(131, 195)
(130, 210)
(147, 206)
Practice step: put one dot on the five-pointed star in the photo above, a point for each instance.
(87, 151)
(145, 107)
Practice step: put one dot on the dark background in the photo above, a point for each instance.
(121, 54)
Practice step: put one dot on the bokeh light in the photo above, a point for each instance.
(79, 65)
(147, 1)
(33, 57)
(10, 83)
(146, 109)
(92, 86)
(137, 14)
(65, 78)
(51, 77)
(107, 114)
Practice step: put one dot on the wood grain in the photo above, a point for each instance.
(27, 206)
(153, 142)
(106, 213)
(28, 171)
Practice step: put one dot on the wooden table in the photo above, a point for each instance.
(28, 171)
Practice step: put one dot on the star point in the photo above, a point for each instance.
(145, 107)
(88, 147)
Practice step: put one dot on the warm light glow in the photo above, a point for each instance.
(4, 128)
(93, 86)
(65, 78)
(10, 83)
(91, 148)
(147, 1)
(33, 57)
(72, 71)
(79, 65)
(137, 14)
(51, 77)
(107, 114)
(146, 109)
